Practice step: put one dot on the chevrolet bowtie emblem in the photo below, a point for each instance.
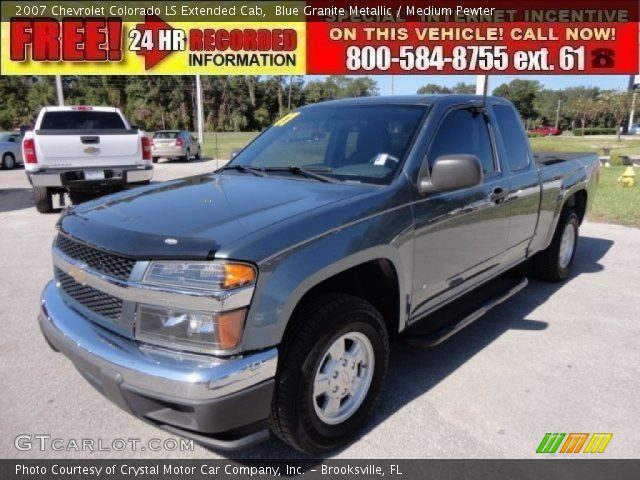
(78, 274)
(91, 150)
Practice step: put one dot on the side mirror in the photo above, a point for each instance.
(452, 172)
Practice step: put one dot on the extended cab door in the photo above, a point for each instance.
(460, 236)
(524, 182)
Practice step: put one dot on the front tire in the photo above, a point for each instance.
(554, 264)
(8, 161)
(44, 199)
(332, 367)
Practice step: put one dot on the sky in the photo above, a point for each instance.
(409, 84)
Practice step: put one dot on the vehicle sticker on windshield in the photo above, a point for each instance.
(286, 119)
(381, 159)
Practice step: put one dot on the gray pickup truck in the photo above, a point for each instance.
(264, 296)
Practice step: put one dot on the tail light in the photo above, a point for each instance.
(179, 142)
(29, 150)
(146, 148)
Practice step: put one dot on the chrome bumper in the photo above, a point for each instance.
(148, 370)
(60, 178)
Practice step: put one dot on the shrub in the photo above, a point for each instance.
(595, 131)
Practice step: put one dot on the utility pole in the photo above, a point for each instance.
(632, 113)
(482, 84)
(59, 91)
(199, 109)
(392, 85)
(558, 113)
(289, 99)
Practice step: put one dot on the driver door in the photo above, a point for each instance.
(460, 235)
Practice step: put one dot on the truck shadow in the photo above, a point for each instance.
(16, 199)
(414, 372)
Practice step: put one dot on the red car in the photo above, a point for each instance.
(546, 130)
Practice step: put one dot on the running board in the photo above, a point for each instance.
(445, 322)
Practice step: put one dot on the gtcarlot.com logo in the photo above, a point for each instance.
(574, 442)
(44, 442)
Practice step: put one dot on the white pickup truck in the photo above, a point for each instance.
(79, 149)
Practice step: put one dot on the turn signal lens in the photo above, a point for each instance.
(238, 274)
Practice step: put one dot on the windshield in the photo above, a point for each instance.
(356, 143)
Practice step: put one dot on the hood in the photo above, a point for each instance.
(199, 214)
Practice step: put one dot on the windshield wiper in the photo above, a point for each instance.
(306, 172)
(245, 169)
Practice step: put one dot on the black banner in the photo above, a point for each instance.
(547, 469)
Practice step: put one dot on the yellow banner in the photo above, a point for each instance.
(153, 46)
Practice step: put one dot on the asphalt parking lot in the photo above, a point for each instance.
(555, 358)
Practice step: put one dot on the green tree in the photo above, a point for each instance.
(522, 94)
(431, 88)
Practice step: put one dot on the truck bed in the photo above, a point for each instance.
(549, 158)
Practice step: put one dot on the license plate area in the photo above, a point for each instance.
(94, 174)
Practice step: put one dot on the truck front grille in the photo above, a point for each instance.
(99, 260)
(95, 300)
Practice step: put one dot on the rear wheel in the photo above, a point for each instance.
(44, 199)
(155, 160)
(333, 364)
(8, 161)
(554, 264)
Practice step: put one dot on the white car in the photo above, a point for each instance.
(83, 149)
(10, 150)
(634, 129)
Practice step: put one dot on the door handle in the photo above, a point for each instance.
(498, 195)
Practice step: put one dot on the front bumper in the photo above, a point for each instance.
(74, 177)
(220, 402)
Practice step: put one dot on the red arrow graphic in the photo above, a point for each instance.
(153, 55)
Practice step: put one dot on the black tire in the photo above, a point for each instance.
(187, 156)
(199, 154)
(155, 160)
(44, 199)
(547, 264)
(8, 161)
(316, 326)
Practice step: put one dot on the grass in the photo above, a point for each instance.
(220, 145)
(569, 143)
(613, 203)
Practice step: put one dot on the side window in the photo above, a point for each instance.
(464, 132)
(13, 138)
(516, 144)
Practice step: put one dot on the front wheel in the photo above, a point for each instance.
(333, 365)
(554, 264)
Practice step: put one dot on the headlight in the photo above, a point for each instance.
(214, 275)
(202, 332)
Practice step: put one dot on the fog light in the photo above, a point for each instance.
(203, 332)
